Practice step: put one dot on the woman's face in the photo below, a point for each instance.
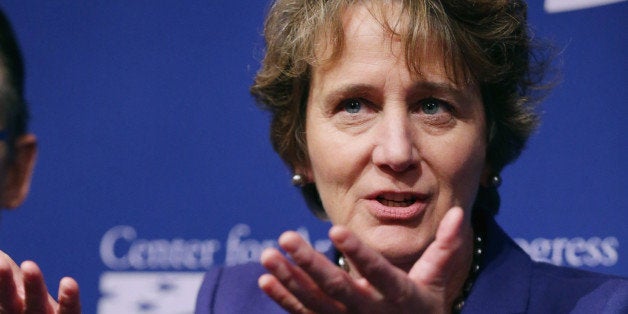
(390, 153)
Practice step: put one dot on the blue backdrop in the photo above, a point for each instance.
(155, 163)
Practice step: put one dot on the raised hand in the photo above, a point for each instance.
(23, 290)
(313, 284)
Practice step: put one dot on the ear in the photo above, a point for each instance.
(18, 172)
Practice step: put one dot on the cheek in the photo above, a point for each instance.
(328, 165)
(336, 165)
(461, 165)
(328, 157)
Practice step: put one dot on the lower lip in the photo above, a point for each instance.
(382, 212)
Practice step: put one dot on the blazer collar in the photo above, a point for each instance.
(503, 285)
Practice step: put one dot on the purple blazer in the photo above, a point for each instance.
(510, 282)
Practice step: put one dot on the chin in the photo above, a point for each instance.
(404, 260)
(399, 245)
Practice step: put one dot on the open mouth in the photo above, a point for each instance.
(398, 206)
(396, 201)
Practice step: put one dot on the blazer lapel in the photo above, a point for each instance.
(503, 285)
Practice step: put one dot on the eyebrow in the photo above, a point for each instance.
(439, 87)
(352, 90)
(359, 90)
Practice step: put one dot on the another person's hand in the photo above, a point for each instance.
(23, 290)
(313, 284)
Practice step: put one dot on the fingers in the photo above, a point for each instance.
(332, 280)
(452, 246)
(314, 284)
(276, 291)
(23, 290)
(37, 299)
(10, 301)
(387, 280)
(69, 301)
(291, 287)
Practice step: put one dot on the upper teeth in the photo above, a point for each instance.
(402, 202)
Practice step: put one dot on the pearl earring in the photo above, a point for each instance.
(298, 180)
(496, 181)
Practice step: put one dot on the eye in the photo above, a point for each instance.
(353, 113)
(432, 106)
(434, 111)
(352, 105)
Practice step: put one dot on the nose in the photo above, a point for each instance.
(395, 147)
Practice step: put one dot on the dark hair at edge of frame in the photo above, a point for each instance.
(13, 107)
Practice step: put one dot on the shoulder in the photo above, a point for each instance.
(510, 282)
(554, 288)
(233, 289)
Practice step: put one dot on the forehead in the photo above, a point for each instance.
(372, 37)
(415, 37)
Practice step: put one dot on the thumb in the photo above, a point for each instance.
(445, 258)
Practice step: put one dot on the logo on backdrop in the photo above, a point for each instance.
(575, 252)
(163, 275)
(558, 6)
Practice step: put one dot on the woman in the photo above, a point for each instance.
(397, 118)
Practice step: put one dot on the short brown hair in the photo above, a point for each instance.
(485, 41)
